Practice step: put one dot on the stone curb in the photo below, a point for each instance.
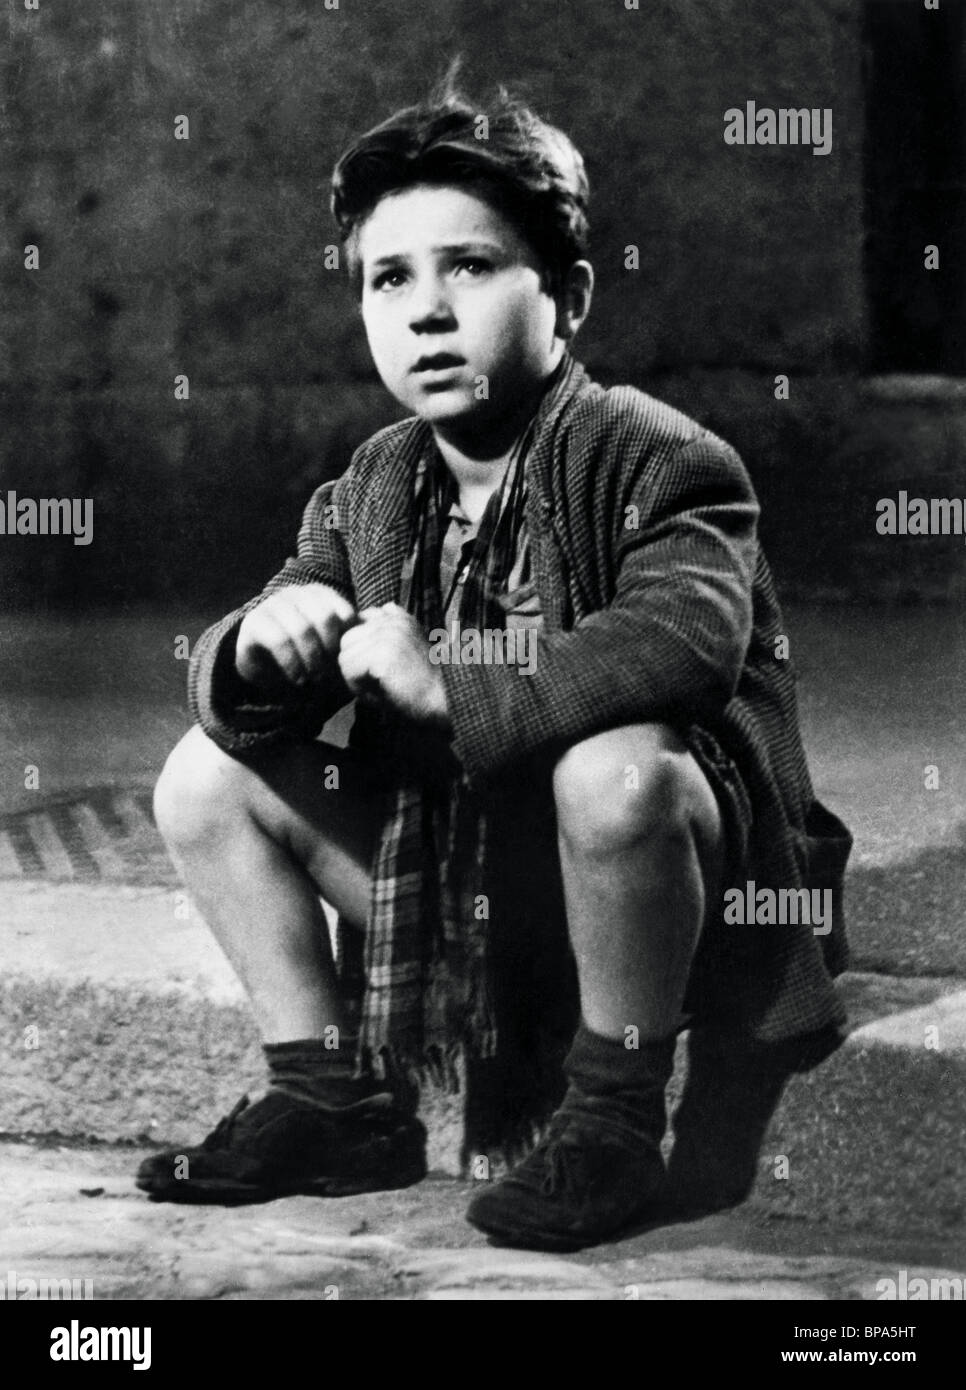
(152, 940)
(142, 1035)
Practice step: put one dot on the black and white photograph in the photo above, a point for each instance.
(482, 661)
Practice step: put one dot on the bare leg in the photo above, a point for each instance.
(640, 849)
(256, 846)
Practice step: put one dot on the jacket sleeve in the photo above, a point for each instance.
(242, 718)
(671, 644)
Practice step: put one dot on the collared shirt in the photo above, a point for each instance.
(521, 603)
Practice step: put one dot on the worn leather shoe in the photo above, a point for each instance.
(282, 1145)
(586, 1181)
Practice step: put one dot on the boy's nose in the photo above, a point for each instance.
(430, 308)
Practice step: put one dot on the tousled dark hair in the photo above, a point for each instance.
(502, 151)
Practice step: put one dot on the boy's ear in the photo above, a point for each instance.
(573, 300)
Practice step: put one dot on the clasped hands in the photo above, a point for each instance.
(382, 653)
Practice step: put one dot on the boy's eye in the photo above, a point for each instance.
(473, 265)
(388, 279)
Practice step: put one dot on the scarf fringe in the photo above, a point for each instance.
(507, 1134)
(433, 1066)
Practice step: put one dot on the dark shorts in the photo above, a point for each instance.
(731, 794)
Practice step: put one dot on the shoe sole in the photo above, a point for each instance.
(221, 1192)
(533, 1240)
(557, 1243)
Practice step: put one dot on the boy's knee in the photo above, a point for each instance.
(628, 786)
(194, 790)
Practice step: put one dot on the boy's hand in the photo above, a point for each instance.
(386, 657)
(295, 632)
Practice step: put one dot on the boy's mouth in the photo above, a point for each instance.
(438, 362)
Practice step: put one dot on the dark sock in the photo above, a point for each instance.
(309, 1070)
(624, 1083)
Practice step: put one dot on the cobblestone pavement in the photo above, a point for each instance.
(74, 1214)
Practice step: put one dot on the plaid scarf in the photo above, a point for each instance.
(428, 971)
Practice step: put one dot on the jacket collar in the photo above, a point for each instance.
(395, 501)
(572, 380)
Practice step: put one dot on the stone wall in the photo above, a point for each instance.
(203, 257)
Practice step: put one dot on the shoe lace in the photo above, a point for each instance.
(572, 1153)
(220, 1136)
(565, 1167)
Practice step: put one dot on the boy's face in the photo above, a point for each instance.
(460, 329)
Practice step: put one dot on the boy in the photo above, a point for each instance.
(608, 791)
